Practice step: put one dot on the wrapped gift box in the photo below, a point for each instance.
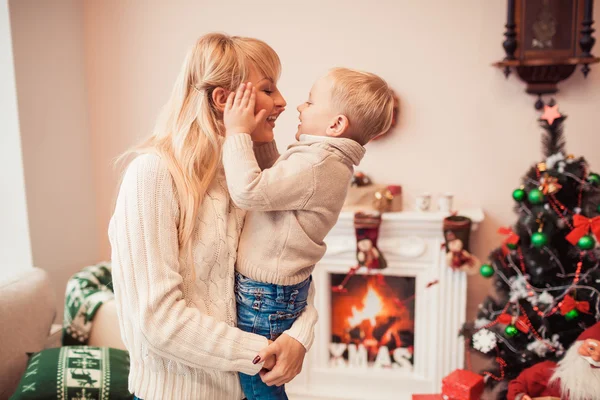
(463, 385)
(427, 397)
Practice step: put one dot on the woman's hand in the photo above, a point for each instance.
(289, 355)
(239, 115)
(270, 361)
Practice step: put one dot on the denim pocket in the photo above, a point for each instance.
(281, 322)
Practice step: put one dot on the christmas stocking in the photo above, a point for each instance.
(457, 230)
(366, 226)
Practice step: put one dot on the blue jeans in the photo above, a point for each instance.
(267, 310)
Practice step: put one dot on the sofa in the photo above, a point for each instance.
(27, 313)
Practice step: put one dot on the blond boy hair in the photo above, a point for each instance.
(365, 99)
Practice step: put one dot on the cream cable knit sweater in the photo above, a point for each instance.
(180, 333)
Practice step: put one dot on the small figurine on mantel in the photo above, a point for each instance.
(364, 195)
(359, 180)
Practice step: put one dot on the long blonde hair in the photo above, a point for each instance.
(189, 131)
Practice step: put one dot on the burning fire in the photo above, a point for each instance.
(372, 307)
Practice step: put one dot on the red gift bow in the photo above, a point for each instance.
(512, 238)
(582, 227)
(569, 303)
(520, 323)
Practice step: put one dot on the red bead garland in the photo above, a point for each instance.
(585, 172)
(502, 364)
(553, 203)
(533, 331)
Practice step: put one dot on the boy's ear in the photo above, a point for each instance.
(219, 98)
(338, 126)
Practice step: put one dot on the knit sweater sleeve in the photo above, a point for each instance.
(287, 185)
(266, 154)
(145, 252)
(303, 329)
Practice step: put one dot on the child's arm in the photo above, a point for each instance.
(266, 154)
(303, 329)
(287, 185)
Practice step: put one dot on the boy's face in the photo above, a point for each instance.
(317, 115)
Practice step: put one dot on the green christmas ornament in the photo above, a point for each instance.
(535, 196)
(539, 239)
(486, 270)
(598, 208)
(511, 331)
(586, 242)
(571, 315)
(594, 178)
(518, 195)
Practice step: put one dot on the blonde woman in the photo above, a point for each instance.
(174, 237)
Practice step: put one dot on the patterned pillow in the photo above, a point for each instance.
(76, 373)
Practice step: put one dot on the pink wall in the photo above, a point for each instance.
(463, 128)
(83, 99)
(53, 113)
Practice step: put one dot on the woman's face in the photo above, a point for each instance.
(268, 98)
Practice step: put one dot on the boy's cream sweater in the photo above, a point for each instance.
(294, 203)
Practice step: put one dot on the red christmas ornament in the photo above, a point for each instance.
(511, 239)
(569, 304)
(521, 323)
(582, 226)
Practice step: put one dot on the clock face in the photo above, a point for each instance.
(548, 25)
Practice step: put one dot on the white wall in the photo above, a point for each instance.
(15, 247)
(49, 65)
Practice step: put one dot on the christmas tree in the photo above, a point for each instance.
(545, 274)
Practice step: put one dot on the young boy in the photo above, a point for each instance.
(294, 204)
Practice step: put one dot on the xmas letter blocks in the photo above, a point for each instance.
(462, 385)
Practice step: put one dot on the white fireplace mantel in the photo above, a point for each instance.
(412, 245)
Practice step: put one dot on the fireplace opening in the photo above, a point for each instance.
(372, 322)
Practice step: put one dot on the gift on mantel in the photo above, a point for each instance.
(364, 195)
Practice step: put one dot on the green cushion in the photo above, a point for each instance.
(76, 373)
